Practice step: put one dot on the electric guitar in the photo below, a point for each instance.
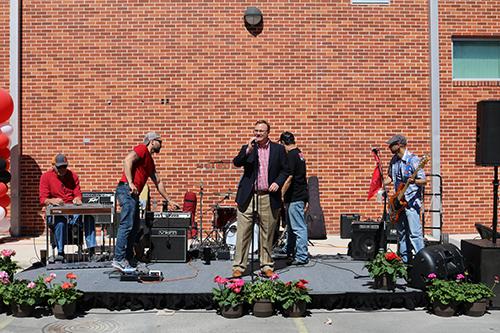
(397, 202)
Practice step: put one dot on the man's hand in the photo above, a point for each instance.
(133, 189)
(274, 187)
(77, 201)
(56, 201)
(174, 205)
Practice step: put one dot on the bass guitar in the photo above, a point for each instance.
(397, 202)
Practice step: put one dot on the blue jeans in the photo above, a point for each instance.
(409, 233)
(296, 231)
(129, 223)
(61, 231)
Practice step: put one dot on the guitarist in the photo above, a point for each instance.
(401, 168)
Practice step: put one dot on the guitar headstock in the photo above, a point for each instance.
(423, 161)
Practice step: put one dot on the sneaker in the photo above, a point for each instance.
(121, 265)
(299, 263)
(95, 258)
(59, 258)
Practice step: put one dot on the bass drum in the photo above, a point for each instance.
(230, 237)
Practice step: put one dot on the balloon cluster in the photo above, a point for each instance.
(6, 109)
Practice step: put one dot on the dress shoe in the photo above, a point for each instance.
(268, 272)
(237, 273)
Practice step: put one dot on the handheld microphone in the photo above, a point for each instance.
(375, 150)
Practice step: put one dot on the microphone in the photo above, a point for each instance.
(375, 150)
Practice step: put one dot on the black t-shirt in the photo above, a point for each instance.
(298, 188)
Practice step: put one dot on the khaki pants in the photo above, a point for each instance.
(267, 226)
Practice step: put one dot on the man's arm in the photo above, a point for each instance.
(45, 193)
(77, 192)
(284, 171)
(161, 188)
(128, 162)
(285, 187)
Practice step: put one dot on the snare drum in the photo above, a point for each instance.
(224, 215)
(230, 237)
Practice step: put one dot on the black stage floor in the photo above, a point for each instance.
(336, 281)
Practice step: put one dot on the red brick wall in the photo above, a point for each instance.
(4, 44)
(343, 78)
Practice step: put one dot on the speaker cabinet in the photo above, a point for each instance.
(169, 244)
(445, 260)
(488, 133)
(345, 224)
(482, 259)
(364, 242)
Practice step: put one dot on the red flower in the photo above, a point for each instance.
(67, 285)
(389, 256)
(301, 285)
(48, 279)
(71, 276)
(304, 281)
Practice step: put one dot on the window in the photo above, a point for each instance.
(476, 59)
(370, 2)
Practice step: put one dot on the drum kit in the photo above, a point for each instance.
(224, 228)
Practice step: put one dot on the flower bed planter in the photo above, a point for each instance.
(232, 312)
(65, 311)
(263, 308)
(298, 309)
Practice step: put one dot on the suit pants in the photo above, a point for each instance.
(267, 226)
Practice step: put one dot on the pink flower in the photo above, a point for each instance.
(48, 279)
(220, 280)
(238, 283)
(274, 277)
(53, 275)
(497, 279)
(432, 276)
(4, 277)
(8, 253)
(31, 285)
(237, 290)
(460, 276)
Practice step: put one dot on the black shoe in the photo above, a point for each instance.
(59, 258)
(299, 263)
(289, 261)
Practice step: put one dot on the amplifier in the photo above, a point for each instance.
(169, 219)
(168, 244)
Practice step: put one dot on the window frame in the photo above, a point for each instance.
(471, 39)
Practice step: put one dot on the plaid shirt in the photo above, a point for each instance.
(402, 169)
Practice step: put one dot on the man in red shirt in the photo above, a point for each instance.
(138, 166)
(59, 186)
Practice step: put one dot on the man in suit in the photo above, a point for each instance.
(265, 170)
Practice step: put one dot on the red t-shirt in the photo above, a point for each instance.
(53, 186)
(142, 169)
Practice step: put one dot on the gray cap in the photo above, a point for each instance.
(150, 137)
(60, 160)
(398, 138)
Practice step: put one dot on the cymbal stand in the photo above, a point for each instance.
(215, 236)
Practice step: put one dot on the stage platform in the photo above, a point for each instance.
(336, 281)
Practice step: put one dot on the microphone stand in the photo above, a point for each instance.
(383, 223)
(201, 212)
(255, 211)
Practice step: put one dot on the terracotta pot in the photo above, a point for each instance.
(21, 310)
(444, 310)
(476, 309)
(297, 309)
(384, 282)
(65, 311)
(232, 312)
(263, 308)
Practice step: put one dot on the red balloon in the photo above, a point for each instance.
(5, 153)
(6, 106)
(4, 140)
(3, 189)
(5, 201)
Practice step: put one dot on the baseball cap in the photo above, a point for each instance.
(398, 138)
(150, 137)
(60, 160)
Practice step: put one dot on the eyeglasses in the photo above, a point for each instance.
(61, 167)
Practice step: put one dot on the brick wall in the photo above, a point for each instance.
(343, 78)
(4, 44)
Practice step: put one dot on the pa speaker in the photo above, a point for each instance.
(345, 224)
(488, 133)
(364, 242)
(444, 260)
(482, 258)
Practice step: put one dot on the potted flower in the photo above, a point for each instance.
(293, 296)
(7, 264)
(445, 295)
(62, 297)
(229, 296)
(23, 296)
(262, 294)
(476, 296)
(386, 268)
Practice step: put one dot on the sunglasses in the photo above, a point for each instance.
(62, 167)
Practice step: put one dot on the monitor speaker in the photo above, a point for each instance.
(444, 260)
(345, 224)
(169, 244)
(488, 133)
(482, 258)
(364, 242)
